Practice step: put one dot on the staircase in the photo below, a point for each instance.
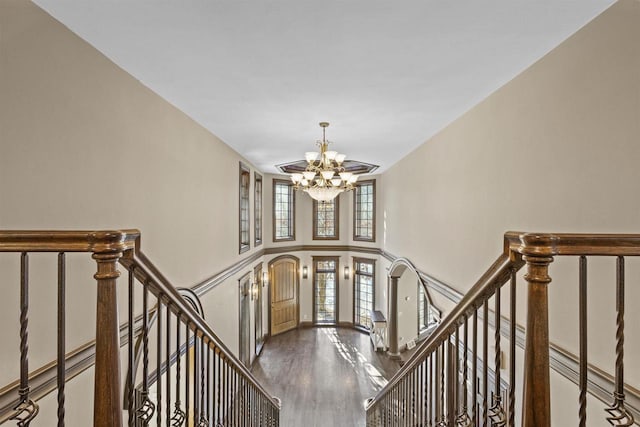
(453, 380)
(187, 375)
(178, 372)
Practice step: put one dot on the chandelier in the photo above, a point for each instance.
(325, 175)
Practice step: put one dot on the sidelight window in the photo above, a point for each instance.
(325, 290)
(363, 291)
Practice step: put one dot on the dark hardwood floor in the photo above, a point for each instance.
(322, 375)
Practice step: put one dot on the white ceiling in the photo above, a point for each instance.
(387, 74)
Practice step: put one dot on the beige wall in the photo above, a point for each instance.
(84, 145)
(556, 149)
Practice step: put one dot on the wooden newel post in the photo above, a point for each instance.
(537, 251)
(107, 409)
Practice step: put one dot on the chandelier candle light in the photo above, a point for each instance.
(325, 176)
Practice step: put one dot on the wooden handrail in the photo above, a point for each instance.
(68, 241)
(497, 275)
(146, 272)
(576, 244)
(110, 248)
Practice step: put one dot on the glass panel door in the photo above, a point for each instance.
(325, 280)
(363, 292)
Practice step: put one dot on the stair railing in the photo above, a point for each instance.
(451, 379)
(197, 380)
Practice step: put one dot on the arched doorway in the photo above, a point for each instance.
(408, 293)
(284, 283)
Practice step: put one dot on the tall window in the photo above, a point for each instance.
(325, 220)
(257, 208)
(364, 211)
(245, 178)
(428, 315)
(284, 211)
(363, 291)
(325, 289)
(423, 309)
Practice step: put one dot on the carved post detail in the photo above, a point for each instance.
(107, 411)
(393, 318)
(538, 251)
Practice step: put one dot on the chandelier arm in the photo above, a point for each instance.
(321, 179)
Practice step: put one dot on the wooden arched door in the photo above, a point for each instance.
(284, 283)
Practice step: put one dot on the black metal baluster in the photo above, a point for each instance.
(250, 406)
(196, 374)
(398, 413)
(443, 386)
(485, 362)
(233, 395)
(209, 383)
(619, 415)
(496, 412)
(241, 397)
(423, 393)
(414, 395)
(147, 407)
(463, 418)
(474, 370)
(396, 407)
(187, 376)
(226, 416)
(61, 336)
(403, 400)
(582, 295)
(419, 393)
(258, 406)
(407, 398)
(432, 394)
(392, 407)
(132, 352)
(234, 380)
(512, 350)
(178, 415)
(203, 415)
(218, 409)
(247, 401)
(456, 371)
(217, 379)
(168, 370)
(159, 330)
(400, 405)
(27, 409)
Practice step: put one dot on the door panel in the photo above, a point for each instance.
(325, 290)
(284, 294)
